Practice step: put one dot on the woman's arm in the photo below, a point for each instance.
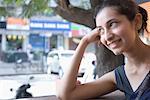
(69, 90)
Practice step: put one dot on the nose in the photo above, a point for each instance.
(108, 35)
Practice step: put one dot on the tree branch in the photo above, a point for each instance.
(77, 15)
(64, 4)
(94, 3)
(74, 14)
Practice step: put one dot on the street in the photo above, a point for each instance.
(41, 85)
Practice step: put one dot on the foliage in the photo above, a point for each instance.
(28, 8)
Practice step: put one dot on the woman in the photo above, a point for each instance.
(118, 24)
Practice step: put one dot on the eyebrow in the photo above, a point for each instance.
(106, 22)
(99, 27)
(111, 20)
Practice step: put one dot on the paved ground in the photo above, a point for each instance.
(41, 85)
(10, 78)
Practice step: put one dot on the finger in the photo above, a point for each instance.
(96, 30)
(99, 43)
(98, 38)
(78, 82)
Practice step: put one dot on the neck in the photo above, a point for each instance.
(138, 54)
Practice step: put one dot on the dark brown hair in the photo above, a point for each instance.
(144, 19)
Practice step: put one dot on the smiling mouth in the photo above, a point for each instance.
(113, 44)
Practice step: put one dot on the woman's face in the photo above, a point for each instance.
(116, 31)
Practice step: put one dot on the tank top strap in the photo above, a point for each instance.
(122, 81)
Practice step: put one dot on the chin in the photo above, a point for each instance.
(117, 52)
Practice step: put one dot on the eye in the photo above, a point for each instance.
(101, 31)
(113, 24)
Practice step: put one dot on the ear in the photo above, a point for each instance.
(138, 21)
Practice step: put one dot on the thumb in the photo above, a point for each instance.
(78, 82)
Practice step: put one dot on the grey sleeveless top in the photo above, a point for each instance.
(143, 91)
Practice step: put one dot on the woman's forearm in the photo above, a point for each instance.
(68, 86)
(70, 77)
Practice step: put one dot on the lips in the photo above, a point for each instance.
(113, 44)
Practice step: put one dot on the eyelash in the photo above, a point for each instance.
(112, 24)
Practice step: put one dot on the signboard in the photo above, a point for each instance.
(17, 24)
(49, 25)
(79, 30)
(37, 41)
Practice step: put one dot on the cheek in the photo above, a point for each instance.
(124, 30)
(126, 34)
(103, 41)
(120, 31)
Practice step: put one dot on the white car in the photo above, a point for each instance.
(58, 61)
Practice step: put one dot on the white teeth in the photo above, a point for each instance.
(108, 43)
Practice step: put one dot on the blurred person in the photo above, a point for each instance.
(118, 24)
(95, 70)
(30, 52)
(90, 73)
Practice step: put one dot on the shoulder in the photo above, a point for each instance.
(113, 77)
(113, 74)
(109, 78)
(119, 70)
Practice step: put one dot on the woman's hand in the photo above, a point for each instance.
(93, 36)
(78, 82)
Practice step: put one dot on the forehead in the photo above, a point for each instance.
(107, 14)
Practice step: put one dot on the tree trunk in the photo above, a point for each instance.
(106, 60)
